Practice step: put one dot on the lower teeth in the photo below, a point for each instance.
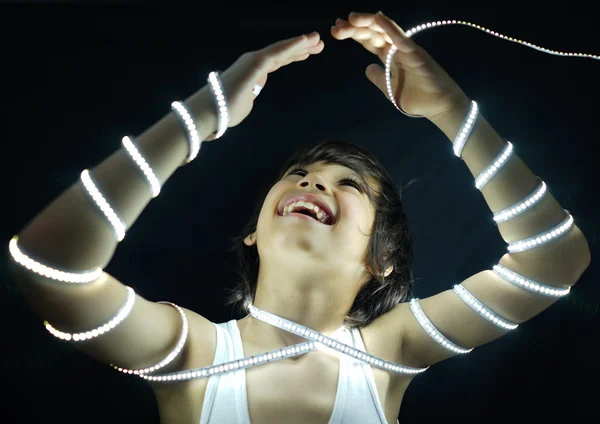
(315, 218)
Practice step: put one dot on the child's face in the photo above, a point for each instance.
(305, 242)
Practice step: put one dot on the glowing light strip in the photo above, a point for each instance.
(264, 358)
(136, 156)
(528, 284)
(218, 92)
(319, 341)
(108, 212)
(388, 80)
(190, 126)
(329, 342)
(519, 208)
(465, 130)
(428, 25)
(172, 355)
(488, 173)
(422, 27)
(433, 332)
(481, 309)
(543, 238)
(45, 271)
(86, 335)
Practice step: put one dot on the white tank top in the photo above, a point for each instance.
(226, 402)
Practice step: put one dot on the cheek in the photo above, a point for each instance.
(278, 189)
(353, 210)
(269, 206)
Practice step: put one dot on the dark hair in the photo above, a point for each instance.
(390, 243)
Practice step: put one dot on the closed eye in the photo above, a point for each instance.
(351, 181)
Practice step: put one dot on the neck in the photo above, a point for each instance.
(309, 302)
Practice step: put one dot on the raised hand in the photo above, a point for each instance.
(420, 85)
(253, 68)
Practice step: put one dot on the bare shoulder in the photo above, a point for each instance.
(384, 336)
(200, 347)
(182, 402)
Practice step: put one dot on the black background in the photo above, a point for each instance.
(77, 78)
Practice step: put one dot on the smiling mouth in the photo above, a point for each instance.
(305, 215)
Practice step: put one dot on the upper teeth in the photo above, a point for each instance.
(321, 215)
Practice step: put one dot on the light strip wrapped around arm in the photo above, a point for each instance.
(465, 130)
(171, 356)
(432, 331)
(520, 207)
(489, 173)
(139, 160)
(528, 284)
(102, 329)
(112, 217)
(48, 272)
(483, 310)
(543, 238)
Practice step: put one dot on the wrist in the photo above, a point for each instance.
(450, 121)
(202, 107)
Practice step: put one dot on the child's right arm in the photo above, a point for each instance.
(74, 234)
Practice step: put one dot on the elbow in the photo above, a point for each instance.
(559, 263)
(581, 255)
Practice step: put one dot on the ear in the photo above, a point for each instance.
(388, 270)
(250, 240)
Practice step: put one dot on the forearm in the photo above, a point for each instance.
(72, 233)
(564, 258)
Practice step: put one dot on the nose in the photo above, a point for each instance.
(312, 180)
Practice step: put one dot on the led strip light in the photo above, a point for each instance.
(542, 238)
(488, 173)
(172, 355)
(329, 342)
(318, 341)
(519, 208)
(528, 284)
(190, 126)
(432, 331)
(434, 24)
(136, 156)
(218, 92)
(45, 271)
(271, 356)
(101, 202)
(483, 310)
(465, 130)
(86, 335)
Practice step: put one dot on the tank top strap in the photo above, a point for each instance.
(240, 375)
(368, 372)
(213, 384)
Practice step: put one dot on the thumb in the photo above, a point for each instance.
(376, 74)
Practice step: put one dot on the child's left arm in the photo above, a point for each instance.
(547, 253)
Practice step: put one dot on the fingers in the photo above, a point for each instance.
(369, 38)
(343, 30)
(398, 36)
(291, 50)
(295, 46)
(367, 20)
(376, 74)
(377, 33)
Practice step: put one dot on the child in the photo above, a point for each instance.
(329, 252)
